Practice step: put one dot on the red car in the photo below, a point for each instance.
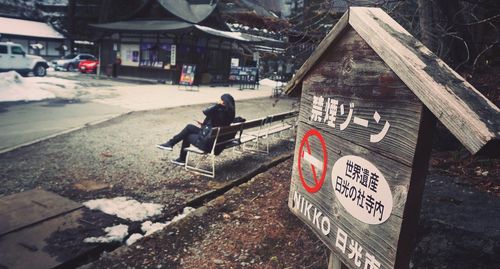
(88, 66)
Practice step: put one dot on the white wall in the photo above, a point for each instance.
(127, 52)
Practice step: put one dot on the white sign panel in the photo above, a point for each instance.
(362, 189)
(235, 62)
(129, 54)
(173, 54)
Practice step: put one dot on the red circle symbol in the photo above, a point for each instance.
(308, 157)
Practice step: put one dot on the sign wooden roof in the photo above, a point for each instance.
(469, 116)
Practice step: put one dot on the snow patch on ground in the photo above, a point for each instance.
(149, 227)
(184, 214)
(14, 87)
(271, 83)
(133, 238)
(114, 233)
(125, 208)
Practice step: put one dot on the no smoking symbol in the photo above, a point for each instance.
(316, 165)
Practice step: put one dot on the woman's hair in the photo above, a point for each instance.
(229, 104)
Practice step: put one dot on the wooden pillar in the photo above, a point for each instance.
(335, 263)
(72, 25)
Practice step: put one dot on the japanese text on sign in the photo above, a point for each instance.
(355, 251)
(362, 189)
(325, 110)
(342, 242)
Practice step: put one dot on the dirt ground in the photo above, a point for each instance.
(480, 172)
(252, 227)
(249, 227)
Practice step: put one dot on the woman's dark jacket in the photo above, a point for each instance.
(217, 116)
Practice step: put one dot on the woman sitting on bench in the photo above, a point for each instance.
(218, 115)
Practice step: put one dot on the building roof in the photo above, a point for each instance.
(143, 26)
(468, 115)
(190, 10)
(20, 27)
(237, 35)
(153, 26)
(225, 34)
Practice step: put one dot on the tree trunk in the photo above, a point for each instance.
(105, 10)
(428, 32)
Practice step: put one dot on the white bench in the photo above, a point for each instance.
(241, 134)
(272, 125)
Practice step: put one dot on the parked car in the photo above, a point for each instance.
(70, 62)
(13, 57)
(88, 66)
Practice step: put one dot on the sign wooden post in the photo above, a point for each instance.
(364, 137)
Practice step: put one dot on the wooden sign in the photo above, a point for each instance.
(173, 54)
(363, 144)
(243, 74)
(366, 123)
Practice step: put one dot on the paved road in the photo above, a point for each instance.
(24, 123)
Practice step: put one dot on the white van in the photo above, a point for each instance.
(13, 57)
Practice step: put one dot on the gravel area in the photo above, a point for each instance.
(119, 158)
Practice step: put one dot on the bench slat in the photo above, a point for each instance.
(232, 129)
(283, 116)
(236, 134)
(247, 138)
(279, 128)
(253, 123)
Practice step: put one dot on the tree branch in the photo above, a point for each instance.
(481, 21)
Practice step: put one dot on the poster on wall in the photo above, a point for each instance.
(130, 54)
(187, 74)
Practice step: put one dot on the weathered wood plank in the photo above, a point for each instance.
(335, 263)
(28, 247)
(322, 47)
(470, 117)
(399, 142)
(354, 74)
(417, 182)
(23, 209)
(383, 240)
